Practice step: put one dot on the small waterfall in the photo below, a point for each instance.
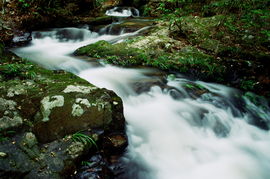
(120, 13)
(123, 12)
(112, 29)
(53, 47)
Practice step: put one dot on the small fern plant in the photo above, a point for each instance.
(85, 139)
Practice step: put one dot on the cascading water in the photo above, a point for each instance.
(123, 12)
(121, 15)
(174, 130)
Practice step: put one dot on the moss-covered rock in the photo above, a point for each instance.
(118, 54)
(38, 111)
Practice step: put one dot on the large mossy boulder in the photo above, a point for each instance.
(40, 110)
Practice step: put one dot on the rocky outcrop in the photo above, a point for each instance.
(41, 114)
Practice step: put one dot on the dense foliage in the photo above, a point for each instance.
(246, 21)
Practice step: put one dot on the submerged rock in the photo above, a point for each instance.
(115, 143)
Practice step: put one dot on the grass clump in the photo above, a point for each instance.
(85, 139)
(24, 71)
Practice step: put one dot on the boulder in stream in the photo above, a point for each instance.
(50, 119)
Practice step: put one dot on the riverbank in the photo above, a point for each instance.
(50, 120)
(159, 50)
(212, 47)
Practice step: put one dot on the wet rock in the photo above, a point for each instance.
(146, 84)
(176, 94)
(25, 158)
(67, 34)
(21, 39)
(99, 167)
(127, 26)
(94, 168)
(115, 143)
(73, 112)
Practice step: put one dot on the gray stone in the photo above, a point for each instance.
(7, 123)
(79, 89)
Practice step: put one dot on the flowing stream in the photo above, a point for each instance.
(178, 128)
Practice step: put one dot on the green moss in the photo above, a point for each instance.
(248, 84)
(185, 60)
(211, 45)
(118, 54)
(201, 27)
(18, 70)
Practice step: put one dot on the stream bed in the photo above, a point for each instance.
(177, 127)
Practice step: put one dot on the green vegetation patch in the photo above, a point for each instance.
(84, 138)
(189, 58)
(118, 54)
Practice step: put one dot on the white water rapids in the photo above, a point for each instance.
(172, 133)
